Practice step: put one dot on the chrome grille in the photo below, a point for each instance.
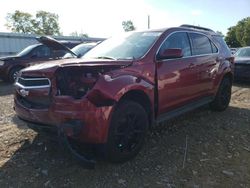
(32, 83)
(33, 92)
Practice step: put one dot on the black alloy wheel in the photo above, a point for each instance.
(127, 132)
(223, 96)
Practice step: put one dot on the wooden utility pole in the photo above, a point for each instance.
(148, 21)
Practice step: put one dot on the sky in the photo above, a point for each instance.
(103, 18)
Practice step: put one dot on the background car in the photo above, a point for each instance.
(233, 50)
(80, 49)
(47, 49)
(242, 64)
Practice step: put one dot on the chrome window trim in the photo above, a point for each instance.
(190, 46)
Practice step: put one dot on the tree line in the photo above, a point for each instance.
(239, 35)
(43, 23)
(46, 23)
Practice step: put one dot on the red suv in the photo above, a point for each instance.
(126, 84)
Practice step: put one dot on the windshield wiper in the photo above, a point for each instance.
(106, 57)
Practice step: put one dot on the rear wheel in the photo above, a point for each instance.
(223, 96)
(127, 132)
(13, 74)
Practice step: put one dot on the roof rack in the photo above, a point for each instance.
(196, 27)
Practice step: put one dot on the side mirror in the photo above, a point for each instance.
(171, 53)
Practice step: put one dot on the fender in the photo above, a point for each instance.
(108, 90)
(227, 67)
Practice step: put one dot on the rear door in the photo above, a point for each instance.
(205, 55)
(177, 78)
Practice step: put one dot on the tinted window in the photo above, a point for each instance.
(200, 44)
(27, 50)
(220, 40)
(41, 51)
(177, 40)
(243, 52)
(214, 48)
(58, 53)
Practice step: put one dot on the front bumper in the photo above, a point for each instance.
(93, 121)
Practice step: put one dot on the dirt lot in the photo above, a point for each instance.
(217, 154)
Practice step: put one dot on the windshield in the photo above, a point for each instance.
(79, 50)
(131, 45)
(26, 50)
(243, 52)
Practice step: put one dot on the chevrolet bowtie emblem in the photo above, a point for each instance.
(24, 92)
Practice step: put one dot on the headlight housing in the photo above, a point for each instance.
(1, 63)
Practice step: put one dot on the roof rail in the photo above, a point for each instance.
(196, 27)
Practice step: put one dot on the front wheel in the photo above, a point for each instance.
(127, 132)
(223, 96)
(13, 74)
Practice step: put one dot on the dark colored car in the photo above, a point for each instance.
(47, 49)
(111, 96)
(242, 64)
(80, 50)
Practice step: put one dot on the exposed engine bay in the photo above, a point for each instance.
(77, 81)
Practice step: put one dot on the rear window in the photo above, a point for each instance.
(219, 39)
(214, 48)
(200, 44)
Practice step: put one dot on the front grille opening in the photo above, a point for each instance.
(33, 82)
(38, 89)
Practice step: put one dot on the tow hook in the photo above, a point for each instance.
(74, 127)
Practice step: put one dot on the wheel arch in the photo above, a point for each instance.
(141, 98)
(228, 75)
(13, 68)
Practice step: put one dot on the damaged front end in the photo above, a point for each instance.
(72, 100)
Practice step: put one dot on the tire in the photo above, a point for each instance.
(13, 74)
(223, 96)
(127, 132)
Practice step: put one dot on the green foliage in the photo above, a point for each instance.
(128, 25)
(44, 23)
(243, 31)
(20, 22)
(231, 39)
(239, 35)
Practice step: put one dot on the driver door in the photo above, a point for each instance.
(177, 78)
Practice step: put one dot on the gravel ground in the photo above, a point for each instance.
(200, 149)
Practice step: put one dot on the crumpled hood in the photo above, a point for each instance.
(242, 60)
(50, 67)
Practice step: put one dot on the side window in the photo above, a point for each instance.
(58, 53)
(41, 51)
(177, 40)
(200, 44)
(214, 48)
